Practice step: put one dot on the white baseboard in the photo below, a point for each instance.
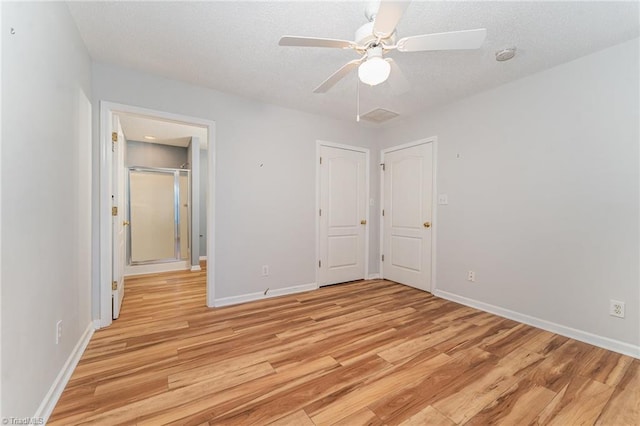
(154, 268)
(51, 398)
(195, 268)
(375, 276)
(583, 336)
(97, 324)
(243, 298)
(203, 257)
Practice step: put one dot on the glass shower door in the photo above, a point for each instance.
(158, 212)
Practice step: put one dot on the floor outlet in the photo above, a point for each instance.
(58, 331)
(471, 276)
(616, 308)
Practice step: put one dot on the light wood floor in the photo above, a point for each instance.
(371, 352)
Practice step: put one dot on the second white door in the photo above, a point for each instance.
(343, 215)
(407, 204)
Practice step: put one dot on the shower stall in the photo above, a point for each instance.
(159, 212)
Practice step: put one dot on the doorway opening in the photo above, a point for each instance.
(156, 198)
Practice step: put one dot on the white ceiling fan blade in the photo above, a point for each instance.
(337, 76)
(388, 16)
(315, 42)
(469, 39)
(398, 82)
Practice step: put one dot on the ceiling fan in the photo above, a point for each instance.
(377, 37)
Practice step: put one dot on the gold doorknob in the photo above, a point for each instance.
(427, 224)
(125, 223)
(363, 222)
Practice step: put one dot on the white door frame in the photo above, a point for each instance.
(106, 111)
(320, 143)
(434, 204)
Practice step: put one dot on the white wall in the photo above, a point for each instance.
(46, 175)
(544, 199)
(204, 167)
(265, 175)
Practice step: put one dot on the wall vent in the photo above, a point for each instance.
(379, 115)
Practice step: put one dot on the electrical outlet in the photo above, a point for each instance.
(471, 276)
(443, 199)
(58, 331)
(265, 270)
(616, 308)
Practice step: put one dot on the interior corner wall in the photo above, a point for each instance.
(542, 178)
(193, 155)
(265, 175)
(203, 200)
(145, 154)
(46, 198)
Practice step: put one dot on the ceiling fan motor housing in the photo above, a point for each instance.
(364, 36)
(377, 37)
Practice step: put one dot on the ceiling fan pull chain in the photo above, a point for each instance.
(357, 100)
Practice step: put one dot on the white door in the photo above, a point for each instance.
(407, 209)
(343, 214)
(119, 221)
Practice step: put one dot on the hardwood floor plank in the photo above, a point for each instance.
(220, 404)
(428, 416)
(271, 405)
(579, 402)
(368, 352)
(172, 401)
(463, 405)
(448, 379)
(631, 378)
(622, 409)
(559, 366)
(299, 418)
(605, 366)
(421, 343)
(376, 388)
(362, 417)
(519, 405)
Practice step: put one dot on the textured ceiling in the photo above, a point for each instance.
(233, 46)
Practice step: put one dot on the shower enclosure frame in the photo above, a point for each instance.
(176, 214)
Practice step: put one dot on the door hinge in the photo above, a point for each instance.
(114, 285)
(383, 166)
(114, 211)
(382, 212)
(320, 160)
(319, 263)
(320, 212)
(383, 257)
(114, 136)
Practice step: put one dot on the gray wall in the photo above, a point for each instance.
(264, 215)
(46, 199)
(544, 197)
(155, 155)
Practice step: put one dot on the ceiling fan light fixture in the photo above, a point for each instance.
(374, 70)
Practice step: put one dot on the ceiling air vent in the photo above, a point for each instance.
(379, 115)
